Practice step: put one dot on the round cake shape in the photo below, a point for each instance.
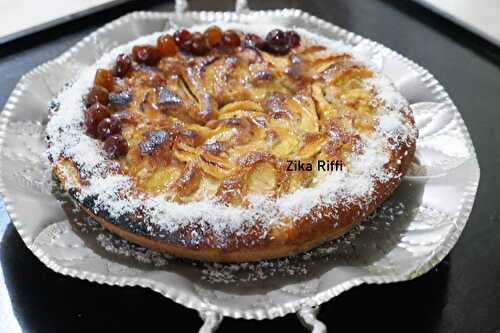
(230, 145)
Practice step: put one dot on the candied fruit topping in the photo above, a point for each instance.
(97, 94)
(108, 127)
(116, 146)
(293, 39)
(183, 39)
(94, 115)
(231, 39)
(146, 54)
(122, 66)
(166, 45)
(253, 41)
(276, 37)
(199, 44)
(214, 36)
(123, 117)
(104, 78)
(277, 42)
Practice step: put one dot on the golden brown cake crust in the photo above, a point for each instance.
(256, 238)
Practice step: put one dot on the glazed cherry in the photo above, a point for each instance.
(253, 41)
(146, 54)
(182, 35)
(116, 146)
(277, 42)
(183, 39)
(214, 36)
(108, 127)
(97, 94)
(166, 45)
(293, 39)
(104, 78)
(199, 44)
(276, 37)
(122, 66)
(123, 117)
(94, 115)
(230, 39)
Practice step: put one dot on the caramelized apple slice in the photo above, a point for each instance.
(311, 145)
(284, 142)
(185, 152)
(161, 179)
(340, 73)
(248, 106)
(237, 131)
(189, 180)
(265, 172)
(216, 166)
(319, 65)
(280, 63)
(206, 104)
(325, 110)
(303, 108)
(262, 178)
(232, 190)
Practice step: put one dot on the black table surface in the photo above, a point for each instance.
(461, 294)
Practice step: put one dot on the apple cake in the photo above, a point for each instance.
(230, 142)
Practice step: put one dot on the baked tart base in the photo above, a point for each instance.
(181, 143)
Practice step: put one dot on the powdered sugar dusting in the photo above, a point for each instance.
(172, 215)
(114, 193)
(392, 125)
